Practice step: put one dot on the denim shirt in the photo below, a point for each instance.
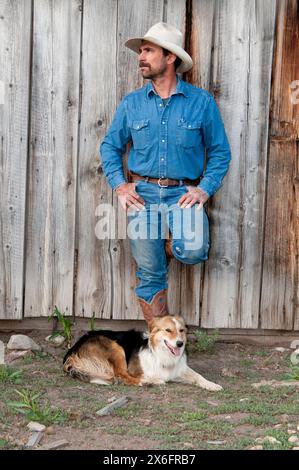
(168, 141)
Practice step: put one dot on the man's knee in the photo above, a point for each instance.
(192, 255)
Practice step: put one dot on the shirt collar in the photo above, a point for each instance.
(180, 88)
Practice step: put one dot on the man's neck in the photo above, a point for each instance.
(165, 86)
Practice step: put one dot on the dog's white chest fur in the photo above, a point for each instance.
(161, 367)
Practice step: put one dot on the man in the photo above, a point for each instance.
(170, 123)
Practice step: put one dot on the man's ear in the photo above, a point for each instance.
(171, 58)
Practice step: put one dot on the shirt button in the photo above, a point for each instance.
(162, 159)
(189, 125)
(163, 122)
(163, 140)
(160, 104)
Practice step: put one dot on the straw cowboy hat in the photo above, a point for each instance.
(168, 37)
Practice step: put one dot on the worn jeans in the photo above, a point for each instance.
(148, 228)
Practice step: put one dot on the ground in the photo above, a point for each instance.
(172, 416)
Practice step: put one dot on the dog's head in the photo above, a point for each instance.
(168, 334)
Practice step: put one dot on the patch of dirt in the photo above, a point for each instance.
(170, 416)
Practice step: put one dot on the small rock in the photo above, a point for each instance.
(279, 349)
(244, 399)
(110, 400)
(270, 439)
(2, 350)
(57, 340)
(22, 342)
(188, 444)
(295, 448)
(147, 422)
(256, 448)
(50, 430)
(277, 426)
(216, 443)
(34, 439)
(293, 440)
(115, 404)
(229, 373)
(297, 427)
(291, 431)
(37, 427)
(55, 445)
(15, 355)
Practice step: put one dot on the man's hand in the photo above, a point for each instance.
(193, 196)
(128, 197)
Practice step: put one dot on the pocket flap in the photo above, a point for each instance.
(137, 125)
(189, 124)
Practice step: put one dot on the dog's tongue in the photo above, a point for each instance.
(176, 351)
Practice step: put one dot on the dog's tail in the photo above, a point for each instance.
(89, 370)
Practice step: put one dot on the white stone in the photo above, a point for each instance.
(293, 439)
(22, 342)
(56, 340)
(270, 439)
(34, 439)
(37, 427)
(279, 349)
(256, 448)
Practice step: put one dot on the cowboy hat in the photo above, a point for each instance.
(168, 37)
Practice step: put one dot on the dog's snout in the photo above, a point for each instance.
(179, 344)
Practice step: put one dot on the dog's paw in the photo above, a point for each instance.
(211, 386)
(151, 381)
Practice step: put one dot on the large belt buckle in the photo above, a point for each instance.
(162, 185)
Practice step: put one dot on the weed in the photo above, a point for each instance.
(205, 342)
(30, 407)
(66, 324)
(293, 374)
(8, 375)
(92, 322)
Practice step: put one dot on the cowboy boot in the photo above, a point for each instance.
(156, 308)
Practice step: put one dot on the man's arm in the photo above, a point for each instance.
(114, 146)
(219, 157)
(218, 149)
(112, 149)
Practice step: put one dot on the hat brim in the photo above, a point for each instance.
(187, 63)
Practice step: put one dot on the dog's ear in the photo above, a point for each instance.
(152, 325)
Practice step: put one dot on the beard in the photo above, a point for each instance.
(153, 73)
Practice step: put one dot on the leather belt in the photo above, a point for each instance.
(163, 182)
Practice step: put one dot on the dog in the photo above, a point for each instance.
(135, 358)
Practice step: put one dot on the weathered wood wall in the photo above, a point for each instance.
(63, 70)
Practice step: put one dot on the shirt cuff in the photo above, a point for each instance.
(115, 181)
(208, 185)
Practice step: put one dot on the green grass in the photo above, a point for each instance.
(205, 342)
(29, 405)
(9, 375)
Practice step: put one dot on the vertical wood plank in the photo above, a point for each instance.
(279, 299)
(241, 65)
(94, 288)
(15, 44)
(53, 157)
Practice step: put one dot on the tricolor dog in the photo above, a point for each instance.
(135, 358)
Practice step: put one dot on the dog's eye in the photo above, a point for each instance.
(168, 330)
(182, 331)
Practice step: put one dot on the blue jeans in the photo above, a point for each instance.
(148, 228)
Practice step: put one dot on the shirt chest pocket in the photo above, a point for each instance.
(188, 133)
(140, 131)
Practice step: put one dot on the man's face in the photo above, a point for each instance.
(152, 62)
